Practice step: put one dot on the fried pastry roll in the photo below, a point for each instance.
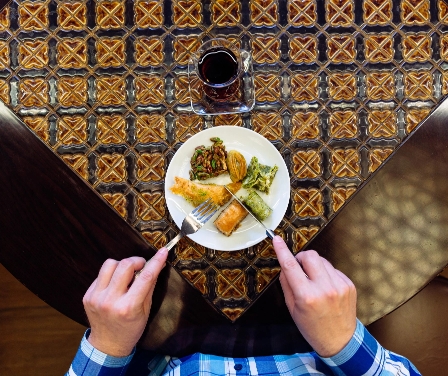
(197, 193)
(230, 218)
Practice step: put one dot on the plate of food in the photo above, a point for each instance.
(249, 165)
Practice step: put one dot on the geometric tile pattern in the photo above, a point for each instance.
(338, 86)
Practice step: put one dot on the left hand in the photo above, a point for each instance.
(116, 311)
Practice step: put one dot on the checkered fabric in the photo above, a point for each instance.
(91, 362)
(363, 355)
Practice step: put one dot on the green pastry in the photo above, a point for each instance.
(257, 206)
(259, 176)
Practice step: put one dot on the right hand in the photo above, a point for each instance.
(320, 299)
(118, 305)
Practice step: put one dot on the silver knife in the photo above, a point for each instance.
(269, 232)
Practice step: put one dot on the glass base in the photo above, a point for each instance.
(242, 100)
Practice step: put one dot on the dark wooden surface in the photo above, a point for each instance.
(55, 232)
(418, 329)
(35, 338)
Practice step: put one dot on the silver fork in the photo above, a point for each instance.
(194, 221)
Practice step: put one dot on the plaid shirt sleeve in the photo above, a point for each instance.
(363, 355)
(89, 361)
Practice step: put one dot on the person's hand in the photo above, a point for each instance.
(320, 299)
(118, 310)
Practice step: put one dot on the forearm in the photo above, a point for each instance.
(363, 355)
(90, 361)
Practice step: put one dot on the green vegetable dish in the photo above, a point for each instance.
(259, 176)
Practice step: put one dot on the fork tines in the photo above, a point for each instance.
(205, 211)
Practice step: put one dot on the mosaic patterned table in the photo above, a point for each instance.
(338, 86)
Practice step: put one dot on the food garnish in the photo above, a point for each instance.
(236, 164)
(257, 206)
(208, 162)
(259, 176)
(230, 218)
(197, 193)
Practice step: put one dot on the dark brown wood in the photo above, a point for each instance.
(56, 232)
(418, 329)
(36, 339)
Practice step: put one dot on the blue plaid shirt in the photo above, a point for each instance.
(363, 355)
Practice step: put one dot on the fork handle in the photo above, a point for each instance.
(170, 245)
(173, 241)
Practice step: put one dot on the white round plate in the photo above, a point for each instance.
(249, 144)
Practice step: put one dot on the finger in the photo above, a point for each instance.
(347, 280)
(339, 279)
(352, 294)
(146, 281)
(89, 291)
(106, 273)
(287, 290)
(332, 272)
(290, 267)
(312, 265)
(335, 273)
(124, 273)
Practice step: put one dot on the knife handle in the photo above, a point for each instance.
(270, 234)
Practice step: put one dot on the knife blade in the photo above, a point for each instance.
(270, 234)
